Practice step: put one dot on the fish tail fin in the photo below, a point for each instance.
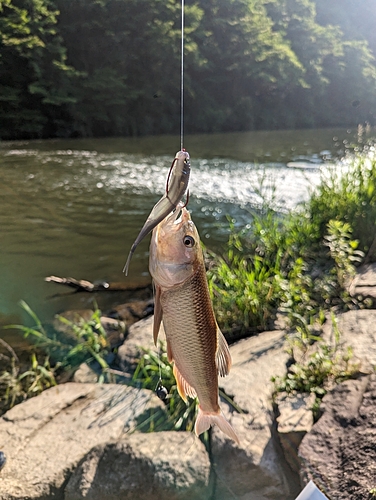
(205, 420)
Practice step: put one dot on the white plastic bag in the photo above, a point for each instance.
(311, 492)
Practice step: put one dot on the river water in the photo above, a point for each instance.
(74, 207)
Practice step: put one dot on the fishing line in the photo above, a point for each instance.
(160, 390)
(182, 78)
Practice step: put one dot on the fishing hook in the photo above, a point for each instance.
(186, 201)
(169, 174)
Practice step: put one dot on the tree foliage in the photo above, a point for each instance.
(112, 67)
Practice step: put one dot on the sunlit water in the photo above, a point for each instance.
(74, 207)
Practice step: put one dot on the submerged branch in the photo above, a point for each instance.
(88, 286)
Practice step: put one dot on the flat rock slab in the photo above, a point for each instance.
(45, 437)
(156, 466)
(255, 468)
(339, 454)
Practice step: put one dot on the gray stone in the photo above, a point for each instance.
(131, 312)
(295, 419)
(74, 316)
(339, 453)
(114, 328)
(173, 465)
(139, 338)
(46, 437)
(85, 375)
(254, 469)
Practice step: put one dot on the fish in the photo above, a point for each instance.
(195, 344)
(176, 187)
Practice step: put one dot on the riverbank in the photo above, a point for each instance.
(278, 285)
(84, 440)
(74, 207)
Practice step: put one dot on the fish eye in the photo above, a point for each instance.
(188, 241)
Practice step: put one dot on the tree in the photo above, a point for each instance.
(246, 63)
(33, 72)
(128, 56)
(337, 72)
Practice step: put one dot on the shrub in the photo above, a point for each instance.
(282, 262)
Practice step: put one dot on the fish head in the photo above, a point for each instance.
(175, 251)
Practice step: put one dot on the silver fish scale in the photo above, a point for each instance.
(191, 332)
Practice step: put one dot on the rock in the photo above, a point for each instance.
(364, 284)
(140, 337)
(114, 328)
(339, 453)
(131, 312)
(156, 466)
(357, 329)
(295, 419)
(85, 375)
(255, 469)
(44, 438)
(75, 316)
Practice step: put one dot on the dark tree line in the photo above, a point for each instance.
(71, 68)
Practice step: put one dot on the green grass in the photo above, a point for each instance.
(18, 384)
(299, 263)
(320, 366)
(87, 340)
(154, 370)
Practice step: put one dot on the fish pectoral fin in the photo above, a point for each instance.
(184, 389)
(205, 420)
(158, 313)
(169, 352)
(223, 356)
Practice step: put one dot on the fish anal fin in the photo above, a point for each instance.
(205, 420)
(223, 356)
(158, 313)
(184, 389)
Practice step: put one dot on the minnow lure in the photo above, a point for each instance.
(176, 186)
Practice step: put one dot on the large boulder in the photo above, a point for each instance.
(156, 466)
(255, 469)
(45, 437)
(339, 454)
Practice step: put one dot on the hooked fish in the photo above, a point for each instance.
(177, 184)
(195, 343)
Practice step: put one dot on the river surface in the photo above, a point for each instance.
(73, 208)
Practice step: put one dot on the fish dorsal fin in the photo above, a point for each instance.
(184, 389)
(223, 356)
(158, 313)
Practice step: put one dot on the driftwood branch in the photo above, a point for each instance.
(88, 286)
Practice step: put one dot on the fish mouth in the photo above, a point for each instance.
(178, 217)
